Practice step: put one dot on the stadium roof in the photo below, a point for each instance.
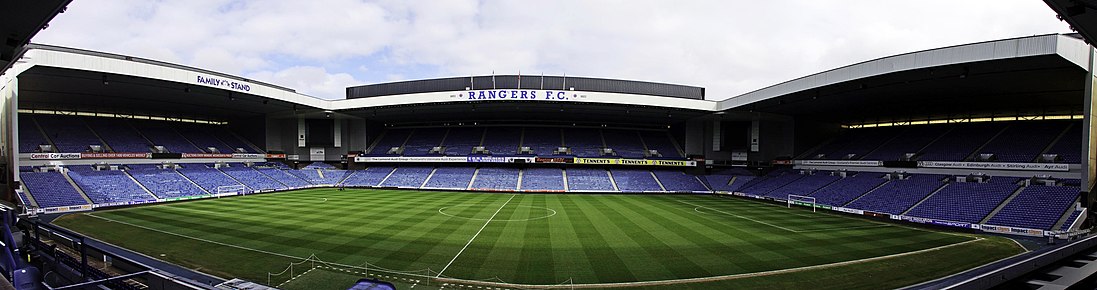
(997, 75)
(1081, 14)
(1038, 73)
(21, 20)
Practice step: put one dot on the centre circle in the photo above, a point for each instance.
(536, 213)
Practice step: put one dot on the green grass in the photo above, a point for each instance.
(536, 239)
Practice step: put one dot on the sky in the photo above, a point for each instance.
(320, 47)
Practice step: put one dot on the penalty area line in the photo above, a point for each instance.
(474, 236)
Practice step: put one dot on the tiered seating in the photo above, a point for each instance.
(107, 186)
(51, 189)
(29, 135)
(319, 165)
(251, 178)
(728, 183)
(634, 180)
(1070, 220)
(1023, 141)
(844, 190)
(584, 142)
(319, 176)
(858, 143)
(451, 178)
(803, 186)
(661, 142)
(964, 201)
(68, 133)
(119, 135)
(372, 176)
(542, 140)
(408, 176)
(897, 196)
(231, 140)
(493, 178)
(957, 144)
(626, 144)
(548, 179)
(461, 140)
(1069, 147)
(773, 180)
(1005, 179)
(200, 136)
(1036, 207)
(392, 138)
(164, 183)
(912, 140)
(422, 140)
(160, 133)
(588, 179)
(674, 180)
(502, 140)
(208, 178)
(284, 177)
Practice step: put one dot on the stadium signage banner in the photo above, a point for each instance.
(643, 162)
(838, 163)
(206, 155)
(276, 156)
(995, 165)
(224, 83)
(849, 210)
(1012, 230)
(528, 95)
(488, 159)
(115, 155)
(410, 159)
(54, 156)
(554, 160)
(939, 222)
(247, 156)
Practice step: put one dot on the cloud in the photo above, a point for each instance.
(729, 47)
(310, 80)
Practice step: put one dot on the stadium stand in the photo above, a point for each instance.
(165, 183)
(456, 177)
(290, 180)
(727, 182)
(422, 140)
(626, 144)
(543, 141)
(1036, 207)
(1023, 141)
(1068, 147)
(408, 177)
(898, 195)
(496, 178)
(961, 141)
(584, 142)
(51, 189)
(1070, 220)
(674, 180)
(588, 179)
(543, 179)
(29, 135)
(233, 141)
(119, 135)
(108, 186)
(805, 185)
(459, 141)
(502, 140)
(911, 140)
(854, 144)
(68, 133)
(251, 178)
(659, 141)
(773, 180)
(200, 137)
(967, 202)
(161, 134)
(391, 138)
(208, 178)
(634, 180)
(371, 176)
(844, 190)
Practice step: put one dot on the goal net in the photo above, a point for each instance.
(801, 200)
(231, 189)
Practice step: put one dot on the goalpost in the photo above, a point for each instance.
(231, 189)
(801, 200)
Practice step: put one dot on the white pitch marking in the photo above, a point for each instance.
(739, 216)
(474, 236)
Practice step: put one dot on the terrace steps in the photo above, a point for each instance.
(924, 199)
(191, 181)
(142, 186)
(1056, 140)
(882, 184)
(1066, 217)
(984, 145)
(106, 146)
(236, 180)
(612, 181)
(657, 181)
(1002, 205)
(425, 180)
(71, 182)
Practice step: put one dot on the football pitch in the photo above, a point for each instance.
(457, 239)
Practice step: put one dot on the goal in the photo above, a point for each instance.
(231, 189)
(801, 200)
